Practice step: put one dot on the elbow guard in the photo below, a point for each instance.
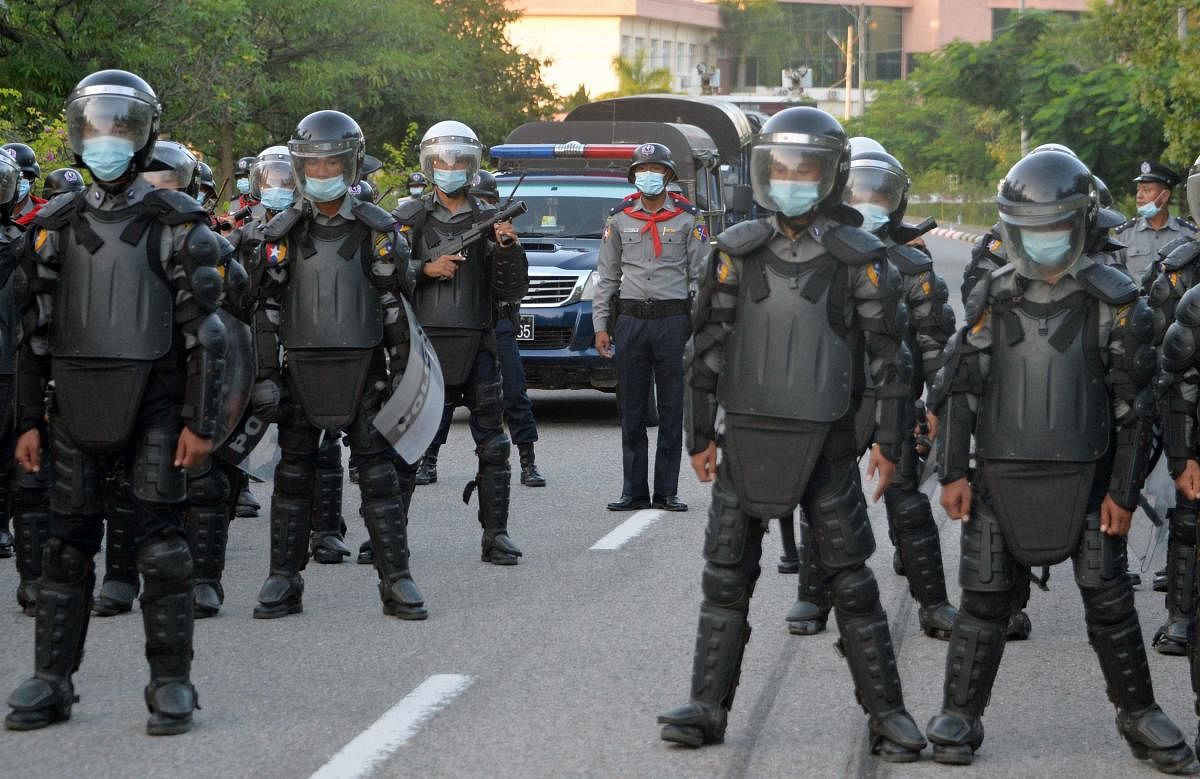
(206, 367)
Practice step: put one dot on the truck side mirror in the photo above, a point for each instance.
(743, 199)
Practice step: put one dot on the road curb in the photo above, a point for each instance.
(956, 235)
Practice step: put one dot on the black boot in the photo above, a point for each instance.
(1172, 637)
(328, 546)
(247, 505)
(166, 566)
(6, 540)
(31, 523)
(915, 534)
(210, 493)
(63, 606)
(282, 592)
(716, 668)
(866, 643)
(972, 662)
(789, 561)
(383, 514)
(1151, 735)
(493, 480)
(810, 613)
(529, 472)
(120, 586)
(427, 468)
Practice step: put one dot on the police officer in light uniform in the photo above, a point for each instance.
(1153, 228)
(653, 248)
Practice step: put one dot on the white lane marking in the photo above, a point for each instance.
(629, 529)
(391, 731)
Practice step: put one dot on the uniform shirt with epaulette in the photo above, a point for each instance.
(1144, 244)
(648, 256)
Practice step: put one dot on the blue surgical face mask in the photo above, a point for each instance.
(874, 216)
(1046, 248)
(649, 182)
(415, 191)
(279, 198)
(200, 197)
(107, 156)
(795, 197)
(325, 190)
(1149, 210)
(243, 186)
(450, 180)
(22, 188)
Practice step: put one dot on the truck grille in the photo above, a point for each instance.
(549, 290)
(549, 338)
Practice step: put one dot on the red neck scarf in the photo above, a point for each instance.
(652, 220)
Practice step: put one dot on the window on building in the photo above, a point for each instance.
(692, 63)
(625, 43)
(639, 44)
(668, 50)
(681, 64)
(654, 53)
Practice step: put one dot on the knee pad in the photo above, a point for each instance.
(987, 565)
(294, 476)
(909, 510)
(489, 404)
(725, 535)
(1183, 522)
(301, 441)
(155, 477)
(839, 521)
(377, 479)
(494, 451)
(1108, 605)
(209, 488)
(726, 587)
(76, 484)
(65, 563)
(165, 559)
(855, 591)
(988, 606)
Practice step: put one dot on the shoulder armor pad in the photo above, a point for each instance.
(1172, 245)
(373, 216)
(744, 237)
(1187, 224)
(1108, 284)
(175, 207)
(406, 211)
(281, 224)
(58, 207)
(225, 246)
(1179, 253)
(909, 260)
(1130, 223)
(1178, 347)
(853, 245)
(977, 299)
(1187, 311)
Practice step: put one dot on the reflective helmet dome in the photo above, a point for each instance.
(327, 147)
(1048, 206)
(109, 114)
(799, 162)
(451, 146)
(877, 188)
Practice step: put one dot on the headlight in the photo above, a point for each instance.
(589, 286)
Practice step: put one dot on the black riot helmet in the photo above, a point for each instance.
(1054, 147)
(416, 183)
(657, 153)
(26, 159)
(62, 180)
(336, 139)
(484, 186)
(1107, 218)
(877, 188)
(799, 162)
(205, 176)
(112, 123)
(371, 165)
(10, 174)
(363, 191)
(1048, 206)
(241, 168)
(173, 166)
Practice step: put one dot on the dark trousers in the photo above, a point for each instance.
(650, 350)
(518, 409)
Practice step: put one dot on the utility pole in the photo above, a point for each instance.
(862, 58)
(849, 69)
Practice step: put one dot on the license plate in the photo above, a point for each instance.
(525, 329)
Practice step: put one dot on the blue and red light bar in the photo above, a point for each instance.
(561, 151)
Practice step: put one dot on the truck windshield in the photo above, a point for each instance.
(565, 209)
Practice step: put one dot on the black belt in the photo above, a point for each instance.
(653, 309)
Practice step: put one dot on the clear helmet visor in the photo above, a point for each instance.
(316, 164)
(786, 176)
(876, 186)
(451, 153)
(118, 116)
(1044, 245)
(1193, 193)
(271, 174)
(10, 175)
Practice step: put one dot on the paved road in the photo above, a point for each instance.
(558, 666)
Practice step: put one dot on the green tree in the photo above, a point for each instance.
(634, 78)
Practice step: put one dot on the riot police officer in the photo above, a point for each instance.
(60, 181)
(653, 246)
(137, 386)
(27, 204)
(1053, 367)
(416, 184)
(455, 300)
(878, 189)
(785, 301)
(241, 182)
(338, 270)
